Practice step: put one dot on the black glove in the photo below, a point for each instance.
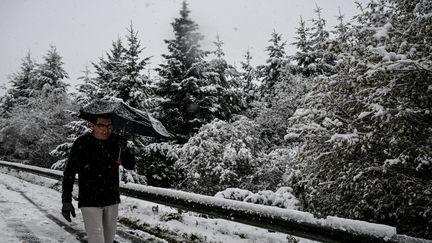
(68, 210)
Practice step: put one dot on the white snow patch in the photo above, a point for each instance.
(383, 31)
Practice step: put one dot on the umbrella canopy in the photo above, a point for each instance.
(125, 119)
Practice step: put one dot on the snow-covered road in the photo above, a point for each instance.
(23, 220)
(31, 213)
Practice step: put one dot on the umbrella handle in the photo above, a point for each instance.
(118, 161)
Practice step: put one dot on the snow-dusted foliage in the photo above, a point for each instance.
(271, 72)
(22, 86)
(74, 129)
(275, 168)
(194, 91)
(120, 74)
(32, 131)
(249, 78)
(316, 52)
(219, 156)
(158, 163)
(366, 139)
(32, 122)
(77, 127)
(273, 115)
(282, 198)
(49, 74)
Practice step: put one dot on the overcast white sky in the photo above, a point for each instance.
(83, 30)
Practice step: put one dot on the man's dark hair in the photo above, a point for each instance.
(95, 117)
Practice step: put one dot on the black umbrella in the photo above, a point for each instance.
(126, 120)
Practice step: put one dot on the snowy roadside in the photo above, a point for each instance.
(165, 222)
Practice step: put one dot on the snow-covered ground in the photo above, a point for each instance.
(32, 212)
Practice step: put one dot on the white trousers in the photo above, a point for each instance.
(100, 223)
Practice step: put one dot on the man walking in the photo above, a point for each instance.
(95, 158)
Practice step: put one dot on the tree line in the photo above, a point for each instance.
(344, 122)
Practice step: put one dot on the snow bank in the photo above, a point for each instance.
(354, 227)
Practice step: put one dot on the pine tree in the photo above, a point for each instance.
(181, 77)
(366, 151)
(86, 92)
(22, 83)
(323, 59)
(219, 51)
(249, 77)
(109, 70)
(132, 86)
(224, 85)
(303, 55)
(22, 86)
(50, 74)
(249, 73)
(120, 74)
(342, 35)
(271, 73)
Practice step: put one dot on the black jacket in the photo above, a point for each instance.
(98, 175)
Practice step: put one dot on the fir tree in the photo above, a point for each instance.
(132, 86)
(249, 78)
(366, 151)
(223, 85)
(322, 56)
(23, 85)
(276, 60)
(219, 51)
(109, 70)
(303, 55)
(75, 128)
(120, 74)
(181, 77)
(50, 74)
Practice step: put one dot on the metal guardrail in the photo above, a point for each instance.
(288, 221)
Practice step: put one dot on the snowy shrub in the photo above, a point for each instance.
(272, 168)
(131, 176)
(282, 198)
(34, 130)
(233, 194)
(221, 155)
(156, 162)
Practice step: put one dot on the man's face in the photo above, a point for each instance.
(102, 128)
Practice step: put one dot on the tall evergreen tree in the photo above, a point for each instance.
(224, 85)
(50, 74)
(323, 59)
(109, 69)
(249, 77)
(303, 56)
(132, 87)
(219, 51)
(249, 72)
(366, 151)
(121, 73)
(276, 61)
(22, 86)
(181, 77)
(86, 92)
